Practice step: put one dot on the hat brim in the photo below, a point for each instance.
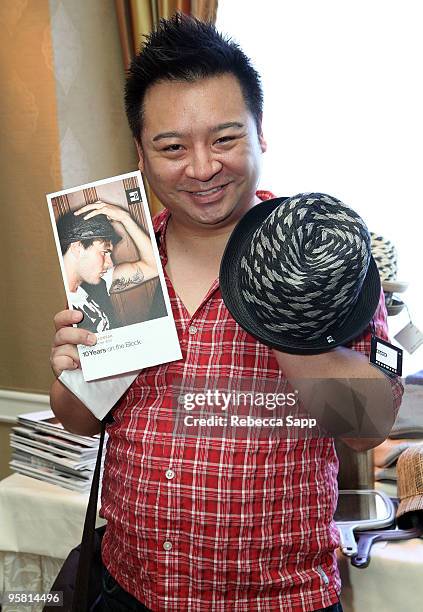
(229, 279)
(406, 510)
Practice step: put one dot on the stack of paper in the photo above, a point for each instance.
(41, 448)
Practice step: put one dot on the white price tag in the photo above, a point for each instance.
(410, 337)
(385, 355)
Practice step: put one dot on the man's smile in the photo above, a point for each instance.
(205, 196)
(208, 191)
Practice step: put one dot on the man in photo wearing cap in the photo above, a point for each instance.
(207, 523)
(87, 238)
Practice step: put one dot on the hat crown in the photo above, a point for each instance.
(385, 256)
(74, 228)
(305, 265)
(100, 227)
(410, 472)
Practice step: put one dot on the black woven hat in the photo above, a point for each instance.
(298, 274)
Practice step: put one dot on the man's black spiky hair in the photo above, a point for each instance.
(186, 49)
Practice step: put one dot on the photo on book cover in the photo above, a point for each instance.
(112, 274)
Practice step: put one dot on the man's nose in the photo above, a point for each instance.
(203, 165)
(108, 263)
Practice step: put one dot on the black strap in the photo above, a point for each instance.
(80, 597)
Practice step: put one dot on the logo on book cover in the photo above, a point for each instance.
(133, 195)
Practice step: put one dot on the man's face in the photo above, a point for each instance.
(94, 261)
(200, 150)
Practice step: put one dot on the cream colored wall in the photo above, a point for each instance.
(29, 166)
(62, 123)
(95, 141)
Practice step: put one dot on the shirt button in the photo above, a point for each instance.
(170, 474)
(167, 545)
(192, 330)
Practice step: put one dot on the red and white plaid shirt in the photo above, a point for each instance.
(207, 524)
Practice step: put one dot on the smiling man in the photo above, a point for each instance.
(217, 184)
(203, 523)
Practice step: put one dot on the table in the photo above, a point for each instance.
(40, 523)
(393, 581)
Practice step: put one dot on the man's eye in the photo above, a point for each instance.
(172, 148)
(224, 139)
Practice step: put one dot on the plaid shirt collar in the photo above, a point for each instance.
(161, 220)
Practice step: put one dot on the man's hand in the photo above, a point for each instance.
(64, 353)
(112, 212)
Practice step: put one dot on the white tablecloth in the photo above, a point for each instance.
(40, 518)
(40, 523)
(393, 582)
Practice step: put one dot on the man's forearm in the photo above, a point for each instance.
(341, 387)
(340, 362)
(141, 241)
(71, 412)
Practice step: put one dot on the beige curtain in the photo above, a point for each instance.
(137, 18)
(29, 166)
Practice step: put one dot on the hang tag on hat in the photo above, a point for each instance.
(410, 337)
(385, 355)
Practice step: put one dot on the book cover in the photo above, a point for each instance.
(112, 274)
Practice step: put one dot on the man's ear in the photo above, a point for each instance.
(75, 248)
(140, 156)
(262, 141)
